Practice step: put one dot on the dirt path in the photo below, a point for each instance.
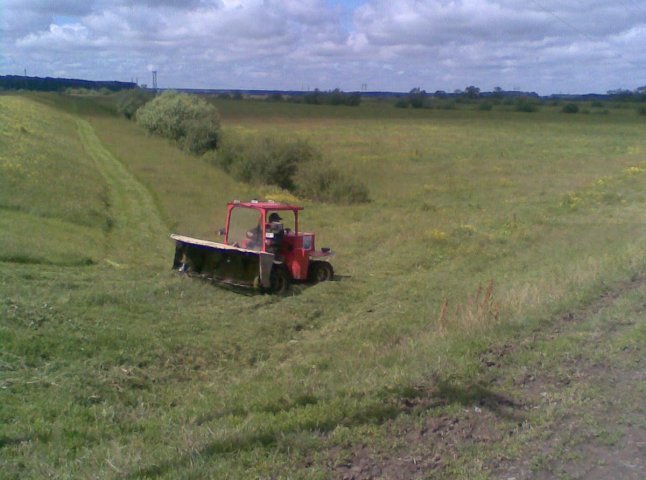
(566, 400)
(137, 228)
(602, 433)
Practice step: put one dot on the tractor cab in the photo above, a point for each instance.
(273, 228)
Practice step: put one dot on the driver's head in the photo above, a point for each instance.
(274, 218)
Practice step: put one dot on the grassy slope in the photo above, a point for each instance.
(51, 197)
(129, 369)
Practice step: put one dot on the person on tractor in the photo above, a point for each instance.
(275, 233)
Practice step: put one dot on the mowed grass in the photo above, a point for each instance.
(481, 225)
(53, 203)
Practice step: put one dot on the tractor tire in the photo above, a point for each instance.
(320, 272)
(280, 280)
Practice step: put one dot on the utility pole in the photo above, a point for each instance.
(155, 80)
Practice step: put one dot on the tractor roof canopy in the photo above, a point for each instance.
(273, 206)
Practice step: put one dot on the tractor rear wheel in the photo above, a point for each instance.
(280, 280)
(320, 272)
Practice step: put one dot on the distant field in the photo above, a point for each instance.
(483, 226)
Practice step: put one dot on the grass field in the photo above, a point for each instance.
(485, 229)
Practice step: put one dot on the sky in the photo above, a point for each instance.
(545, 46)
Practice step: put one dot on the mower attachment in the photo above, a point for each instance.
(222, 262)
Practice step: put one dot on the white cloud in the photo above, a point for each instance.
(391, 44)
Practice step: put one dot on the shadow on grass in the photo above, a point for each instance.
(394, 403)
(31, 260)
(446, 392)
(296, 288)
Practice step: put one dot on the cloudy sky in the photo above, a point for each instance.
(547, 46)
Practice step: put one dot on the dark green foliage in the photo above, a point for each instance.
(485, 106)
(641, 110)
(49, 84)
(446, 104)
(187, 119)
(335, 97)
(570, 108)
(129, 101)
(321, 182)
(401, 103)
(526, 104)
(266, 160)
(472, 92)
(201, 135)
(275, 97)
(417, 98)
(292, 165)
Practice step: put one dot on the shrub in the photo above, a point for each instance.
(266, 161)
(446, 105)
(417, 98)
(291, 165)
(201, 136)
(485, 106)
(401, 103)
(324, 183)
(641, 110)
(525, 104)
(570, 108)
(334, 97)
(187, 119)
(129, 101)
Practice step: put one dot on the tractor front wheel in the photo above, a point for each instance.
(280, 280)
(320, 272)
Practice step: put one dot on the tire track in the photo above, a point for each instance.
(137, 234)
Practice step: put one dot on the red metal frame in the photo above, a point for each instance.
(296, 247)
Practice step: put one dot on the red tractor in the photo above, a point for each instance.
(262, 248)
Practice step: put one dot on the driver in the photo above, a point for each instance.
(276, 228)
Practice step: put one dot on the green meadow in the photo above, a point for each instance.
(484, 227)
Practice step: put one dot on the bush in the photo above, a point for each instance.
(641, 110)
(291, 165)
(187, 119)
(570, 108)
(266, 161)
(401, 103)
(417, 98)
(446, 105)
(485, 107)
(324, 183)
(525, 104)
(201, 136)
(129, 101)
(334, 97)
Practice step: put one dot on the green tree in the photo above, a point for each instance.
(417, 97)
(187, 119)
(472, 92)
(129, 101)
